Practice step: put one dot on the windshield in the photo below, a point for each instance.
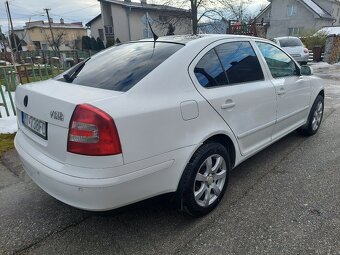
(290, 42)
(121, 67)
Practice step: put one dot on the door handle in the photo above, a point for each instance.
(229, 104)
(281, 91)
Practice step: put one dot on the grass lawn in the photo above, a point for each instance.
(6, 143)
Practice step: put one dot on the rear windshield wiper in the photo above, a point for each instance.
(72, 74)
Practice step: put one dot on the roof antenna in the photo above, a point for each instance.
(155, 37)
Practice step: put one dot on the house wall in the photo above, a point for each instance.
(41, 34)
(280, 21)
(95, 26)
(130, 23)
(120, 23)
(266, 15)
(331, 6)
(336, 13)
(140, 29)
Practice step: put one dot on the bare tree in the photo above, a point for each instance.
(3, 41)
(236, 8)
(198, 10)
(59, 39)
(212, 10)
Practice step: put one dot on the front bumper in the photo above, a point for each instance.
(105, 193)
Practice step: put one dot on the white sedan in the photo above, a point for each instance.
(175, 116)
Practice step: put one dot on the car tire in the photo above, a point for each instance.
(204, 180)
(303, 63)
(314, 118)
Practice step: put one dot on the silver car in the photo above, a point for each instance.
(294, 47)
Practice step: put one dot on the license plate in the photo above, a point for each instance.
(38, 127)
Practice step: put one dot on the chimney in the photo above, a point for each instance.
(61, 21)
(143, 1)
(51, 20)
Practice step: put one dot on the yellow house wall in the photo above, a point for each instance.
(42, 35)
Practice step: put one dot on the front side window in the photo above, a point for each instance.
(240, 62)
(209, 71)
(280, 65)
(291, 10)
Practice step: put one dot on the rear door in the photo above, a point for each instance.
(230, 77)
(292, 90)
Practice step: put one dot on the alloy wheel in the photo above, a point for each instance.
(210, 180)
(317, 116)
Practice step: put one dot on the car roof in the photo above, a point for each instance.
(286, 37)
(187, 39)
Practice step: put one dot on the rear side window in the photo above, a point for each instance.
(209, 71)
(239, 62)
(121, 67)
(290, 42)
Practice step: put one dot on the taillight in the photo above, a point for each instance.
(92, 132)
(305, 50)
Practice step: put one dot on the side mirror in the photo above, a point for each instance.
(306, 70)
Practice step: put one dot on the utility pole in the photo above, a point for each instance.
(11, 34)
(49, 23)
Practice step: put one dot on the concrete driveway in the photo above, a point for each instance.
(284, 200)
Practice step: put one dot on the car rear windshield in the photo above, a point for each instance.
(290, 42)
(121, 67)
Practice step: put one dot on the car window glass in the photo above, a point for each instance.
(239, 62)
(209, 71)
(280, 65)
(119, 68)
(290, 42)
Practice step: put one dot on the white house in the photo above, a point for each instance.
(126, 20)
(296, 17)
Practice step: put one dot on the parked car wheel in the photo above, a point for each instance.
(205, 179)
(303, 63)
(314, 118)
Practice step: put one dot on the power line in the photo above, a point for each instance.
(74, 18)
(24, 8)
(80, 9)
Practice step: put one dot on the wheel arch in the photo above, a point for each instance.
(322, 93)
(227, 142)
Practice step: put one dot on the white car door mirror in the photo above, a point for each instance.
(306, 70)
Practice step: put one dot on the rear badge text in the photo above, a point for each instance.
(57, 115)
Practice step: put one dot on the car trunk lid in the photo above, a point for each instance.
(53, 102)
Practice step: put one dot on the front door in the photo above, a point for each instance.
(292, 90)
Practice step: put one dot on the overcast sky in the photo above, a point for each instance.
(70, 10)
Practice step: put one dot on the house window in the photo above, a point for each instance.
(37, 45)
(101, 34)
(44, 46)
(108, 30)
(291, 10)
(295, 31)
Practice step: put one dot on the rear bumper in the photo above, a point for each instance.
(303, 58)
(102, 194)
